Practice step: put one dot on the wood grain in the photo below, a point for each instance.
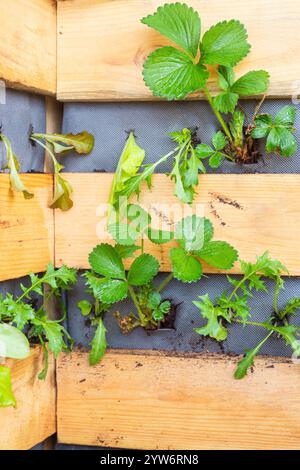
(253, 212)
(26, 227)
(28, 44)
(102, 44)
(34, 418)
(158, 401)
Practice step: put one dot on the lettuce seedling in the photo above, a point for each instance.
(173, 73)
(234, 308)
(13, 166)
(22, 318)
(60, 144)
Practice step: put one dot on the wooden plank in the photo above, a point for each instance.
(253, 212)
(34, 418)
(26, 227)
(28, 44)
(159, 401)
(102, 44)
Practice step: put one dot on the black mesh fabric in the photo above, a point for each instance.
(110, 123)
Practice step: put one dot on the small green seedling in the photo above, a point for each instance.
(24, 319)
(61, 144)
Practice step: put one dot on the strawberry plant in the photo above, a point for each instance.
(109, 283)
(60, 144)
(234, 308)
(24, 318)
(175, 72)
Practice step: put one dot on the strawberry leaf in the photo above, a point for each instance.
(105, 260)
(184, 266)
(218, 254)
(143, 270)
(179, 23)
(224, 44)
(171, 74)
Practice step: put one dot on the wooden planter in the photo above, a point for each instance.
(34, 418)
(143, 400)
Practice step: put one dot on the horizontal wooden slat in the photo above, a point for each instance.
(34, 418)
(253, 212)
(28, 44)
(26, 227)
(102, 44)
(155, 401)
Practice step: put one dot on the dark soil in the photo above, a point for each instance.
(169, 320)
(246, 155)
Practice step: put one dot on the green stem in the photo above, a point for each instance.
(55, 162)
(135, 301)
(165, 282)
(277, 289)
(217, 113)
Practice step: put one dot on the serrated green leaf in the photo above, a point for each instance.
(226, 77)
(154, 300)
(287, 145)
(291, 307)
(263, 123)
(158, 236)
(111, 291)
(216, 160)
(184, 193)
(286, 116)
(184, 266)
(219, 140)
(226, 102)
(252, 83)
(7, 397)
(192, 171)
(123, 233)
(170, 73)
(282, 141)
(214, 329)
(54, 333)
(290, 334)
(143, 270)
(105, 260)
(126, 251)
(224, 44)
(13, 343)
(203, 150)
(179, 23)
(85, 307)
(218, 254)
(192, 231)
(98, 344)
